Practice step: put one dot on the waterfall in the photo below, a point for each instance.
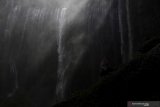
(121, 31)
(129, 31)
(125, 31)
(61, 70)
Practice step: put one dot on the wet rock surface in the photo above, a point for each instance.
(135, 81)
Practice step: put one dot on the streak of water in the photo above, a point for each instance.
(129, 31)
(61, 70)
(15, 73)
(11, 20)
(121, 31)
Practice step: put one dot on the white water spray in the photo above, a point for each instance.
(61, 70)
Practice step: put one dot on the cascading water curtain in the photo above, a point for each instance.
(125, 30)
(11, 21)
(92, 14)
(121, 32)
(129, 31)
(61, 71)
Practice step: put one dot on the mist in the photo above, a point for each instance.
(51, 49)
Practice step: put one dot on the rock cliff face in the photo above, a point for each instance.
(136, 81)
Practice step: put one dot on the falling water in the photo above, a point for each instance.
(126, 55)
(97, 14)
(15, 73)
(121, 31)
(129, 31)
(61, 71)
